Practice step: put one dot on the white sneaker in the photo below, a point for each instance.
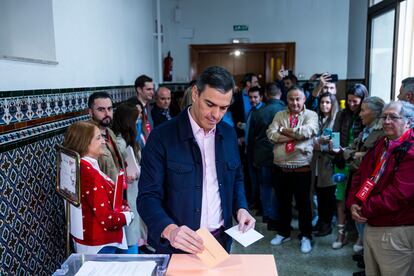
(305, 245)
(278, 240)
(358, 248)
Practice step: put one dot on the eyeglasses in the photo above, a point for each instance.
(391, 117)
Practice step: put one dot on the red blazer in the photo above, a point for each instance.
(391, 202)
(102, 225)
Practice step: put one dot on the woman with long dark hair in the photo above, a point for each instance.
(322, 166)
(124, 127)
(349, 125)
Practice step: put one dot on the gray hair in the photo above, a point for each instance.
(374, 104)
(407, 110)
(296, 88)
(408, 84)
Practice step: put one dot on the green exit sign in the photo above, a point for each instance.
(240, 28)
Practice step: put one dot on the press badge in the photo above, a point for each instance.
(365, 190)
(290, 147)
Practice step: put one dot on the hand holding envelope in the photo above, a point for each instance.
(246, 221)
(213, 252)
(183, 238)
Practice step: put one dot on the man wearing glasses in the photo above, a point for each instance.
(382, 195)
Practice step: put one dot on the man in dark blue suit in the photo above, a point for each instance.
(191, 172)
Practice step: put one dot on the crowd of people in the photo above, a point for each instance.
(275, 151)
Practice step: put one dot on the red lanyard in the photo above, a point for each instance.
(293, 120)
(147, 123)
(379, 168)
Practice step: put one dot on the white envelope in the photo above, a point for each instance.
(246, 238)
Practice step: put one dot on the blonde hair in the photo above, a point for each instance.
(79, 135)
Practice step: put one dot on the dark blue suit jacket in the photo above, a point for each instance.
(170, 185)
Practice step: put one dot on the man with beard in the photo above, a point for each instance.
(101, 111)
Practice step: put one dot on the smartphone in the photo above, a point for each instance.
(334, 77)
(335, 140)
(327, 132)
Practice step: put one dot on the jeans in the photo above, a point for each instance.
(360, 228)
(267, 195)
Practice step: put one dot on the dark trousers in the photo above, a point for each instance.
(297, 184)
(253, 174)
(246, 178)
(266, 178)
(326, 203)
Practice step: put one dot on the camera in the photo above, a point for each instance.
(333, 77)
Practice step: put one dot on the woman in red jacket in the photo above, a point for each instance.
(382, 195)
(103, 230)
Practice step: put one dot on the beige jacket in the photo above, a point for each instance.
(305, 130)
(106, 161)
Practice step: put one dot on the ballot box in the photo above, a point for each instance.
(114, 264)
(235, 265)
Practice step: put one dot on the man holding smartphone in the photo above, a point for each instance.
(327, 83)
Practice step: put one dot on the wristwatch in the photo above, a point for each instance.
(280, 129)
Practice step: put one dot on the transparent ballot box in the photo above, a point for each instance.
(75, 261)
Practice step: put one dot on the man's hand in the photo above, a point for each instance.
(325, 78)
(282, 72)
(183, 238)
(356, 214)
(246, 221)
(283, 139)
(240, 141)
(241, 125)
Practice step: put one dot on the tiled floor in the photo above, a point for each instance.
(322, 260)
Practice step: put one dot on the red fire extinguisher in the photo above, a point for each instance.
(168, 66)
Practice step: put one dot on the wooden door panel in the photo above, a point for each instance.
(263, 59)
(226, 61)
(208, 59)
(274, 62)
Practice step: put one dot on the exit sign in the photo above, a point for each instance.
(240, 28)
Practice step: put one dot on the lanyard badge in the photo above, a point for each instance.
(369, 183)
(365, 190)
(293, 122)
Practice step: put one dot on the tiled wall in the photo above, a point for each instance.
(32, 220)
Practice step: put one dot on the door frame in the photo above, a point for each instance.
(287, 47)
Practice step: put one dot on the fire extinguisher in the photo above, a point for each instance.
(168, 66)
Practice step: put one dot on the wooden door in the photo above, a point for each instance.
(264, 60)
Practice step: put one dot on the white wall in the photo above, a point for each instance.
(358, 16)
(98, 43)
(319, 28)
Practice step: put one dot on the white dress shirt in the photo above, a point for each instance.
(211, 212)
